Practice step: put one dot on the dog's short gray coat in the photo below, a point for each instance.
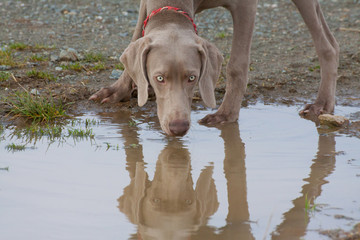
(172, 58)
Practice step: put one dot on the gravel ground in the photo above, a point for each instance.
(284, 66)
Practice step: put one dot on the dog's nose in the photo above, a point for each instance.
(179, 127)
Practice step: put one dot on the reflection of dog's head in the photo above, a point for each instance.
(168, 207)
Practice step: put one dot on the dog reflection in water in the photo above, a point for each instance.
(168, 207)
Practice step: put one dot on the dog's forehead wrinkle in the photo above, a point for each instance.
(175, 62)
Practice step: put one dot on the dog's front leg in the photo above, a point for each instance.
(243, 13)
(121, 90)
(328, 51)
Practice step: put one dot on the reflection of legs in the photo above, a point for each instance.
(243, 13)
(328, 52)
(296, 219)
(235, 174)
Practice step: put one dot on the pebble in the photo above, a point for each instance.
(35, 92)
(115, 74)
(69, 54)
(32, 64)
(333, 121)
(124, 34)
(4, 67)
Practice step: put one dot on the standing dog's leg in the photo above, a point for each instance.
(328, 52)
(243, 13)
(122, 88)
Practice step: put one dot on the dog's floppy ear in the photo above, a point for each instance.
(130, 201)
(211, 60)
(134, 60)
(206, 195)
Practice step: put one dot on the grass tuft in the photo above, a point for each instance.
(35, 108)
(221, 35)
(120, 66)
(4, 76)
(98, 67)
(37, 131)
(81, 133)
(132, 123)
(74, 66)
(38, 58)
(6, 58)
(310, 205)
(18, 46)
(94, 57)
(41, 75)
(312, 69)
(15, 147)
(43, 47)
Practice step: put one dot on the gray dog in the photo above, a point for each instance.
(167, 54)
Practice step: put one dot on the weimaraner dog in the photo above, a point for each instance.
(167, 54)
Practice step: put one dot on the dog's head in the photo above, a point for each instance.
(173, 64)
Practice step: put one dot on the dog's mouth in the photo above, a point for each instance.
(179, 127)
(176, 128)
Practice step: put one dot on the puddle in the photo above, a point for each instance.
(271, 176)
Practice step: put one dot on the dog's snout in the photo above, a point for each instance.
(179, 127)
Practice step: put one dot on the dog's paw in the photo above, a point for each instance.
(218, 118)
(111, 94)
(314, 110)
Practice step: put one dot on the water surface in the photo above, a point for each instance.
(248, 180)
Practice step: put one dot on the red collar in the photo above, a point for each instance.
(153, 13)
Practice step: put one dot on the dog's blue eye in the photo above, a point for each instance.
(192, 78)
(160, 78)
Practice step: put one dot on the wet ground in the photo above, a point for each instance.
(272, 175)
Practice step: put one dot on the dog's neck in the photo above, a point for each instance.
(170, 19)
(165, 9)
(185, 5)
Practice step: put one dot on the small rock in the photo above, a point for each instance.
(35, 92)
(54, 58)
(4, 67)
(58, 69)
(115, 74)
(98, 18)
(32, 64)
(69, 55)
(124, 34)
(333, 121)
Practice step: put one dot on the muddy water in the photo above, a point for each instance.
(250, 180)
